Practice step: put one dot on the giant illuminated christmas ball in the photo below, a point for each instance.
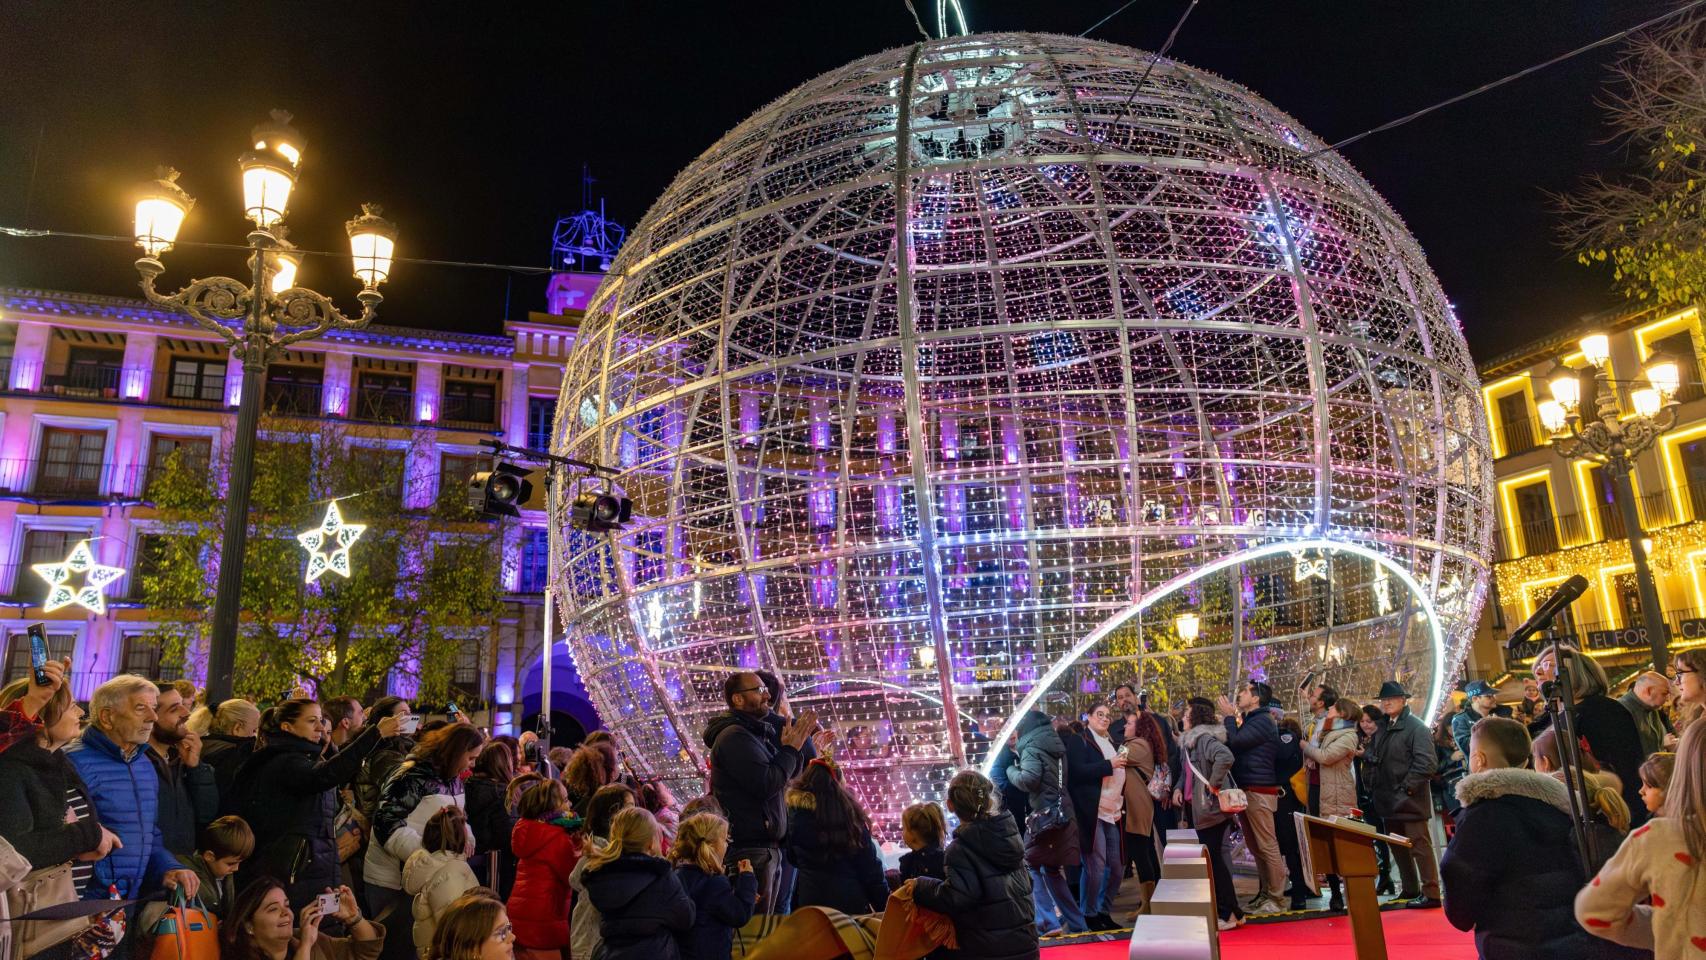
(978, 375)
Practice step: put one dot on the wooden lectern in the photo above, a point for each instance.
(1343, 849)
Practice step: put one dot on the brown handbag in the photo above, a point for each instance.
(47, 887)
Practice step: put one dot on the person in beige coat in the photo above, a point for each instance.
(1145, 749)
(1332, 751)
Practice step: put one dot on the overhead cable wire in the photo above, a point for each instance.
(1157, 55)
(1099, 23)
(1495, 84)
(27, 232)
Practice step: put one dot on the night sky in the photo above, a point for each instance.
(471, 123)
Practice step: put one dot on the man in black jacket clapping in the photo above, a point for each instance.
(751, 764)
(1253, 736)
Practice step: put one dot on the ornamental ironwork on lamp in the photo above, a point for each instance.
(1605, 437)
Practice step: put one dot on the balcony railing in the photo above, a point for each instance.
(1658, 510)
(293, 399)
(475, 412)
(1519, 436)
(386, 407)
(69, 479)
(83, 380)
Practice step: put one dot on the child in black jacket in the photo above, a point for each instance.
(1511, 871)
(719, 907)
(987, 892)
(641, 906)
(923, 829)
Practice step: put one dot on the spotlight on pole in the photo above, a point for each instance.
(501, 491)
(598, 511)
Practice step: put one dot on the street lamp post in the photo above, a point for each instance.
(257, 320)
(1614, 443)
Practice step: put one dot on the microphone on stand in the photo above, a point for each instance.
(1567, 593)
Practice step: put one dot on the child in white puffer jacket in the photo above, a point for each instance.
(438, 873)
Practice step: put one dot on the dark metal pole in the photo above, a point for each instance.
(1652, 614)
(228, 592)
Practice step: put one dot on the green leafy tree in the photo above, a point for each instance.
(1649, 225)
(421, 580)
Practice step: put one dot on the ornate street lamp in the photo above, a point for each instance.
(1614, 443)
(258, 320)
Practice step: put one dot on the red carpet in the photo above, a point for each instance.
(1410, 935)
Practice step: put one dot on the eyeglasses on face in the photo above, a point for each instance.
(749, 689)
(503, 933)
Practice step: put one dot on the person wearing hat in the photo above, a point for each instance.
(1479, 700)
(1401, 760)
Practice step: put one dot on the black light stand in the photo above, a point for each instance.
(1561, 700)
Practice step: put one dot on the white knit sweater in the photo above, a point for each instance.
(1654, 861)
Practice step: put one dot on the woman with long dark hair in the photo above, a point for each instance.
(261, 926)
(1208, 770)
(1146, 751)
(489, 816)
(1367, 725)
(428, 781)
(829, 842)
(45, 812)
(289, 797)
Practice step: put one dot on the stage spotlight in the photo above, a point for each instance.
(598, 511)
(502, 491)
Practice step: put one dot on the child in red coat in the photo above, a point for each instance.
(547, 849)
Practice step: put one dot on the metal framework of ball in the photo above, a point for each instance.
(990, 373)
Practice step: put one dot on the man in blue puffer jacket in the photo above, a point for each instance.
(124, 790)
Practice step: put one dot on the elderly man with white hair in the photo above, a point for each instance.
(124, 790)
(1646, 701)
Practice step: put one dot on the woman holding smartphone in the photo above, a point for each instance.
(289, 796)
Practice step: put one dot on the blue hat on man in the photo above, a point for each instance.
(1479, 688)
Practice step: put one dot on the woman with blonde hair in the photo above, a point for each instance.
(1608, 813)
(641, 906)
(719, 906)
(1661, 862)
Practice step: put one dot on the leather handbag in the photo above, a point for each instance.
(187, 931)
(1050, 816)
(1051, 838)
(47, 887)
(1231, 799)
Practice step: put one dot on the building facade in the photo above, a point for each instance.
(97, 392)
(1558, 518)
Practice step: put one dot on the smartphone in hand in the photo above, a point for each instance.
(38, 653)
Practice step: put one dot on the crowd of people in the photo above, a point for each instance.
(337, 831)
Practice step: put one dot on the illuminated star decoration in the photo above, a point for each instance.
(328, 544)
(96, 576)
(1302, 568)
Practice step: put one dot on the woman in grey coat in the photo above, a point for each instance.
(1208, 770)
(1038, 759)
